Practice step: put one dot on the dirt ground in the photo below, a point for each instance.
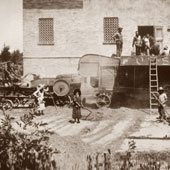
(103, 129)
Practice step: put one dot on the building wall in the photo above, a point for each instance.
(79, 31)
(50, 67)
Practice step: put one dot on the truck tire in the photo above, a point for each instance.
(61, 88)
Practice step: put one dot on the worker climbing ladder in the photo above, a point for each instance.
(153, 80)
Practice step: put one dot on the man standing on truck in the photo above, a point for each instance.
(119, 41)
(137, 41)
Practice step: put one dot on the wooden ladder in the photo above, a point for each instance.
(153, 80)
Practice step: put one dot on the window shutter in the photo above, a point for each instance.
(111, 25)
(158, 34)
(46, 31)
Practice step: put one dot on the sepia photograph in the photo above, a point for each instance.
(85, 85)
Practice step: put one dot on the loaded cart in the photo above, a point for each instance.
(17, 91)
(16, 96)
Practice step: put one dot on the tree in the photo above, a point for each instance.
(5, 54)
(17, 56)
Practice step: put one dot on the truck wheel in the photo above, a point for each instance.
(103, 101)
(61, 88)
(7, 105)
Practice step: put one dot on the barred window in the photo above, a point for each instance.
(46, 31)
(111, 25)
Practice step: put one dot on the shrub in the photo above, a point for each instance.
(20, 151)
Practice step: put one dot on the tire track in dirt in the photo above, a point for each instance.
(99, 133)
(53, 124)
(73, 129)
(116, 132)
(100, 126)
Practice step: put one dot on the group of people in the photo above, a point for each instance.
(145, 45)
(40, 103)
(77, 104)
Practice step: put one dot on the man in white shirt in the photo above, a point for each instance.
(162, 100)
(147, 44)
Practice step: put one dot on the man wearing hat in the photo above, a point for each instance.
(162, 100)
(119, 41)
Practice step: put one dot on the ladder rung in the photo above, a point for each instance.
(152, 82)
(154, 104)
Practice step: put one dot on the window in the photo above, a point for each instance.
(46, 31)
(111, 25)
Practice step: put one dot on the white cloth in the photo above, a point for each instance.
(163, 98)
(147, 43)
(41, 107)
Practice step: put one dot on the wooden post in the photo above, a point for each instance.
(107, 160)
(89, 162)
(97, 161)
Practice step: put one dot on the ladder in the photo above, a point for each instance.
(153, 80)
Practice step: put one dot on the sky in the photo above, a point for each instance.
(11, 32)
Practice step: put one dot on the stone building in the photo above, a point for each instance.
(58, 32)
